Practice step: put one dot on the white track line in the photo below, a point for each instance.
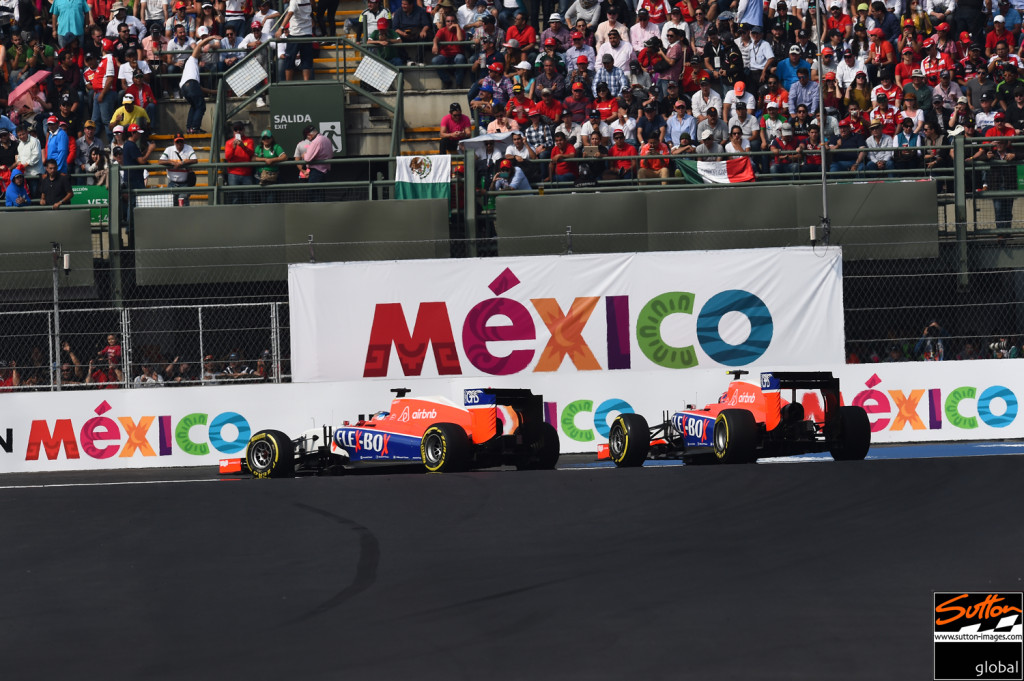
(111, 484)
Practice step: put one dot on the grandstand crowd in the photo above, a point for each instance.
(82, 83)
(897, 80)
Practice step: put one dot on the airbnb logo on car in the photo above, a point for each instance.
(424, 414)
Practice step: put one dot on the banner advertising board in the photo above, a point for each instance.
(146, 428)
(570, 316)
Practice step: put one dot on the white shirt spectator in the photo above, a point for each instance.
(884, 146)
(187, 153)
(699, 106)
(153, 10)
(588, 128)
(250, 39)
(846, 73)
(622, 55)
(731, 99)
(628, 127)
(760, 54)
(301, 24)
(682, 26)
(135, 26)
(125, 73)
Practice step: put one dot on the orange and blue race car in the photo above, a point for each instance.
(493, 427)
(750, 421)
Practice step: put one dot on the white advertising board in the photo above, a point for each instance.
(566, 316)
(109, 429)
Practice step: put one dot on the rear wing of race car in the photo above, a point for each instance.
(774, 381)
(528, 408)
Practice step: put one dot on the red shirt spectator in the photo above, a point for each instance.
(526, 35)
(998, 33)
(563, 149)
(552, 108)
(657, 151)
(622, 148)
(239, 149)
(518, 108)
(449, 33)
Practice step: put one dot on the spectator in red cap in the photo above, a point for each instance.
(384, 39)
(625, 169)
(578, 103)
(178, 157)
(134, 156)
(880, 52)
(446, 53)
(582, 75)
(57, 144)
(549, 50)
(509, 177)
(579, 49)
(947, 45)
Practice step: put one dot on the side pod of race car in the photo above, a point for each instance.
(493, 427)
(750, 421)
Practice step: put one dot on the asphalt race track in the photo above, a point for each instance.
(816, 571)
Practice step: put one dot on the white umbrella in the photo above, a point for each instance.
(476, 144)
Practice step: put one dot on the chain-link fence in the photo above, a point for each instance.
(138, 347)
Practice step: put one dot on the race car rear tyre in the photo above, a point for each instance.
(735, 436)
(541, 447)
(853, 440)
(629, 440)
(445, 448)
(270, 454)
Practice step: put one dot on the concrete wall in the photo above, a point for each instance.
(248, 243)
(870, 220)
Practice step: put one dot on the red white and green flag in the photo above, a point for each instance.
(732, 170)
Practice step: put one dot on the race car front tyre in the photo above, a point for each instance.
(445, 448)
(270, 454)
(629, 441)
(853, 440)
(735, 436)
(541, 447)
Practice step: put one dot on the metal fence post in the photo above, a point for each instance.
(275, 342)
(56, 317)
(960, 207)
(469, 201)
(114, 234)
(202, 350)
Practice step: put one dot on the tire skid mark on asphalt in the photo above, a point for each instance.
(508, 593)
(366, 566)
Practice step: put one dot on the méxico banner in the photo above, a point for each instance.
(423, 177)
(196, 426)
(729, 171)
(568, 315)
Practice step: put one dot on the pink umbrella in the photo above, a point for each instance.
(26, 85)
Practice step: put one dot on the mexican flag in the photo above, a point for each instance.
(734, 169)
(423, 177)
